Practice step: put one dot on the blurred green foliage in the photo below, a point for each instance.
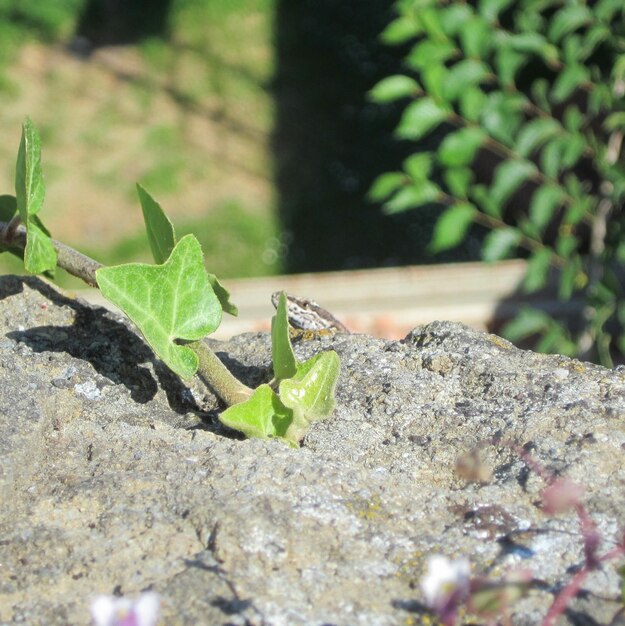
(530, 97)
(189, 118)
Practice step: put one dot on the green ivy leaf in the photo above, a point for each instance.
(284, 363)
(386, 184)
(508, 177)
(535, 133)
(223, 295)
(393, 88)
(459, 148)
(310, 393)
(412, 196)
(545, 201)
(452, 226)
(420, 118)
(159, 229)
(166, 302)
(39, 255)
(537, 270)
(568, 19)
(162, 240)
(262, 416)
(481, 194)
(572, 77)
(500, 243)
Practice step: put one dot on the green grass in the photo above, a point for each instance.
(210, 74)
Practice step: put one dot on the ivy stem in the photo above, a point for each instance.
(217, 376)
(211, 370)
(72, 261)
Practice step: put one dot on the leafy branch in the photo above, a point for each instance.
(539, 88)
(175, 303)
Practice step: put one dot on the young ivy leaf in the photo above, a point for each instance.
(310, 393)
(284, 363)
(160, 230)
(262, 416)
(162, 240)
(167, 302)
(39, 255)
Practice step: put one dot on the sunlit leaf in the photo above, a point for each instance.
(569, 79)
(168, 302)
(393, 88)
(464, 74)
(475, 37)
(418, 166)
(452, 226)
(262, 416)
(401, 30)
(427, 52)
(545, 201)
(420, 118)
(310, 393)
(491, 9)
(39, 254)
(159, 229)
(471, 103)
(284, 363)
(385, 184)
(453, 17)
(535, 133)
(537, 270)
(459, 148)
(458, 180)
(223, 295)
(500, 243)
(412, 196)
(528, 322)
(509, 176)
(568, 19)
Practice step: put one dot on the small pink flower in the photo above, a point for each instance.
(113, 611)
(446, 586)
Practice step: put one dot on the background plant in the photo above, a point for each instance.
(527, 98)
(175, 303)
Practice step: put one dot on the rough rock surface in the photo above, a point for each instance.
(115, 477)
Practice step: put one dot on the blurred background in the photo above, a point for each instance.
(252, 122)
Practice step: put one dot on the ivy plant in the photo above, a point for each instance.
(527, 99)
(175, 303)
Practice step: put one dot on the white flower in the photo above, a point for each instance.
(446, 583)
(112, 611)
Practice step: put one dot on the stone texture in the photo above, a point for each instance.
(115, 477)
